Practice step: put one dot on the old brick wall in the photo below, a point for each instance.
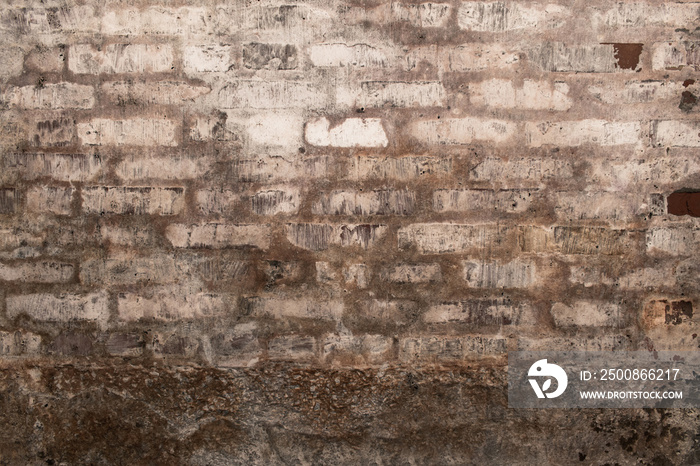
(309, 232)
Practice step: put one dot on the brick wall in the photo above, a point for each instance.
(348, 210)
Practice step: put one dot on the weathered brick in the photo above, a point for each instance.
(56, 132)
(676, 56)
(439, 238)
(325, 273)
(277, 168)
(577, 133)
(37, 272)
(399, 168)
(259, 56)
(237, 347)
(136, 131)
(156, 20)
(638, 279)
(533, 95)
(292, 348)
(134, 236)
(62, 167)
(449, 349)
(120, 58)
(354, 350)
(484, 312)
(62, 308)
(319, 236)
(393, 94)
(424, 15)
(581, 343)
(461, 130)
(577, 205)
(640, 15)
(494, 274)
(677, 240)
(378, 202)
(519, 169)
(19, 343)
(587, 314)
(163, 168)
(510, 16)
(357, 274)
(170, 304)
(462, 58)
(217, 201)
(412, 273)
(211, 128)
(634, 92)
(13, 238)
(647, 170)
(352, 132)
(290, 21)
(676, 133)
(271, 94)
(125, 344)
(218, 235)
(9, 200)
(158, 268)
(276, 201)
(344, 55)
(50, 199)
(256, 129)
(145, 93)
(58, 96)
(469, 200)
(593, 58)
(46, 59)
(207, 58)
(664, 312)
(305, 308)
(50, 20)
(133, 200)
(575, 240)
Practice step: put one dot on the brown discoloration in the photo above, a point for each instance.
(688, 101)
(627, 55)
(684, 203)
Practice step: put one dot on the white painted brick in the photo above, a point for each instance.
(133, 200)
(217, 201)
(272, 94)
(676, 133)
(282, 200)
(170, 304)
(129, 271)
(496, 311)
(156, 20)
(278, 168)
(577, 133)
(510, 16)
(438, 238)
(358, 55)
(678, 241)
(378, 202)
(55, 200)
(304, 308)
(62, 167)
(207, 58)
(399, 168)
(449, 349)
(136, 131)
(318, 236)
(640, 15)
(424, 15)
(587, 314)
(412, 273)
(495, 274)
(120, 58)
(461, 130)
(676, 56)
(218, 235)
(636, 92)
(577, 205)
(533, 95)
(19, 343)
(353, 350)
(352, 132)
(559, 57)
(37, 272)
(393, 94)
(357, 274)
(292, 348)
(135, 167)
(62, 308)
(58, 96)
(469, 200)
(144, 93)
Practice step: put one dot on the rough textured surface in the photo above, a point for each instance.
(310, 232)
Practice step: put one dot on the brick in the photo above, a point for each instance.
(344, 55)
(218, 236)
(533, 95)
(673, 56)
(37, 272)
(394, 94)
(211, 128)
(389, 311)
(587, 314)
(423, 15)
(352, 132)
(462, 58)
(207, 58)
(576, 205)
(60, 96)
(377, 202)
(70, 343)
(271, 94)
(292, 21)
(640, 15)
(494, 274)
(147, 93)
(577, 133)
(259, 56)
(319, 237)
(647, 171)
(217, 201)
(469, 200)
(412, 273)
(303, 308)
(158, 268)
(9, 200)
(50, 199)
(220, 270)
(593, 58)
(510, 16)
(522, 169)
(125, 344)
(575, 240)
(449, 349)
(676, 133)
(291, 348)
(356, 350)
(634, 92)
(156, 20)
(120, 58)
(677, 241)
(287, 127)
(665, 312)
(638, 279)
(357, 274)
(136, 131)
(57, 132)
(461, 130)
(13, 238)
(276, 201)
(398, 168)
(581, 343)
(13, 62)
(277, 168)
(134, 236)
(440, 238)
(46, 59)
(170, 304)
(19, 343)
(237, 347)
(51, 20)
(163, 168)
(133, 200)
(61, 308)
(61, 167)
(325, 273)
(481, 312)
